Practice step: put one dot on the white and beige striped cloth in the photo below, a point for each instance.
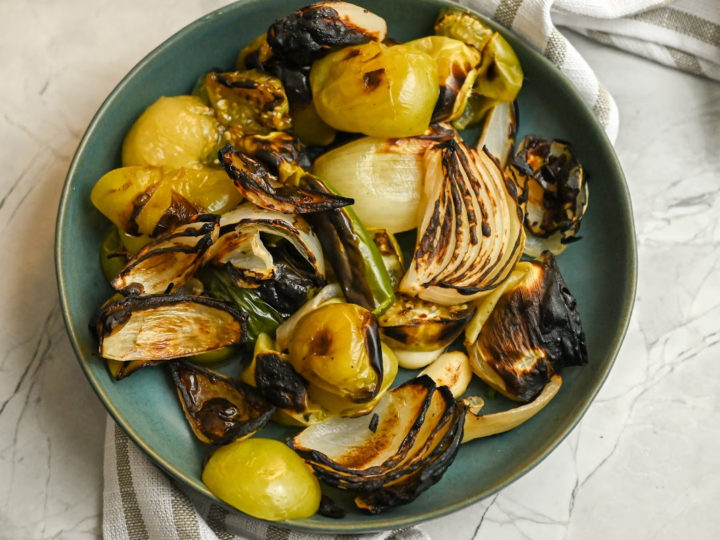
(141, 502)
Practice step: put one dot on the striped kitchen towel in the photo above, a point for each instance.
(683, 34)
(141, 503)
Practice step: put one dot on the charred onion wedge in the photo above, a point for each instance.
(498, 131)
(167, 263)
(164, 327)
(393, 454)
(218, 408)
(471, 234)
(259, 186)
(241, 248)
(274, 377)
(555, 192)
(533, 332)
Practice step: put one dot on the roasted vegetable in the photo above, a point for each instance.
(533, 332)
(399, 84)
(355, 259)
(242, 226)
(167, 263)
(391, 254)
(337, 348)
(308, 126)
(249, 100)
(483, 425)
(259, 55)
(383, 176)
(457, 65)
(471, 232)
(338, 405)
(476, 111)
(264, 479)
(172, 132)
(390, 456)
(307, 34)
(258, 185)
(285, 331)
(555, 192)
(218, 408)
(274, 377)
(498, 131)
(260, 316)
(164, 327)
(151, 200)
(279, 151)
(463, 26)
(451, 369)
(415, 325)
(500, 74)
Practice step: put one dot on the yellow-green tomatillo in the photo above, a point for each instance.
(375, 89)
(263, 478)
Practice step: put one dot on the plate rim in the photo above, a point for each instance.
(378, 524)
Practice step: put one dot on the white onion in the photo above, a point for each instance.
(383, 176)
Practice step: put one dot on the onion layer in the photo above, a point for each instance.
(471, 234)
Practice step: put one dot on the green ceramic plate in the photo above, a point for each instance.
(600, 269)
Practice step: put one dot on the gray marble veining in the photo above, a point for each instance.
(642, 464)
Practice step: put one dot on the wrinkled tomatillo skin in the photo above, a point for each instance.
(375, 89)
(336, 347)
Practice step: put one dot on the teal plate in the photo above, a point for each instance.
(600, 270)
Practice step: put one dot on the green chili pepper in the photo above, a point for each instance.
(261, 316)
(355, 259)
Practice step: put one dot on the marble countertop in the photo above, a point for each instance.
(644, 463)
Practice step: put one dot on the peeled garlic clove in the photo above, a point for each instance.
(451, 369)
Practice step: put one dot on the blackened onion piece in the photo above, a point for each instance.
(241, 246)
(533, 332)
(279, 383)
(168, 262)
(470, 236)
(309, 33)
(218, 408)
(555, 192)
(164, 327)
(259, 186)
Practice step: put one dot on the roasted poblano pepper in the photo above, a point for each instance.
(261, 316)
(354, 257)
